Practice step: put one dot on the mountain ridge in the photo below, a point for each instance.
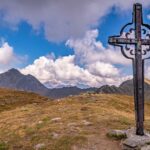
(14, 79)
(125, 88)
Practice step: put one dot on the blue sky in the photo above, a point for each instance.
(37, 41)
(26, 41)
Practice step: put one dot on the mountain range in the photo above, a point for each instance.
(13, 79)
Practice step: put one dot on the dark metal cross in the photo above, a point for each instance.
(134, 41)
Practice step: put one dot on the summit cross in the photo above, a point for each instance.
(134, 41)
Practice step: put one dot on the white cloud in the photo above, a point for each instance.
(8, 58)
(64, 72)
(6, 54)
(148, 16)
(61, 72)
(61, 19)
(92, 65)
(103, 69)
(87, 50)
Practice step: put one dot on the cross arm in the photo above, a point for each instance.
(145, 41)
(118, 40)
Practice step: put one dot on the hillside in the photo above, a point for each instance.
(10, 99)
(77, 122)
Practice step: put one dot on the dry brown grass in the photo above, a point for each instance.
(10, 99)
(82, 121)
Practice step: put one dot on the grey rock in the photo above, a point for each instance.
(147, 147)
(87, 123)
(40, 122)
(57, 119)
(55, 135)
(39, 146)
(118, 134)
(135, 142)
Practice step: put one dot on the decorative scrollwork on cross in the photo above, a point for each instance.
(127, 41)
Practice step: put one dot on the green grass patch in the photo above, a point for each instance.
(3, 146)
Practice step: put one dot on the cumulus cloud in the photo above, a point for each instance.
(6, 54)
(63, 72)
(60, 72)
(103, 69)
(61, 19)
(92, 65)
(8, 58)
(148, 16)
(88, 50)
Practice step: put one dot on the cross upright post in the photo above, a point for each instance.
(138, 77)
(141, 44)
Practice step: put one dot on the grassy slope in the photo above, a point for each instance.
(10, 99)
(25, 126)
